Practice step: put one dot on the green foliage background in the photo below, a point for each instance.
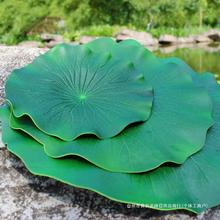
(21, 20)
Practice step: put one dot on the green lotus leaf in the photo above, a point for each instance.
(193, 185)
(126, 50)
(177, 128)
(72, 90)
(144, 60)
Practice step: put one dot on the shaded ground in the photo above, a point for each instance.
(25, 196)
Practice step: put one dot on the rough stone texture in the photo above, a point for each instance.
(51, 40)
(168, 39)
(202, 38)
(86, 39)
(213, 34)
(186, 40)
(31, 44)
(12, 58)
(142, 37)
(24, 196)
(45, 37)
(210, 48)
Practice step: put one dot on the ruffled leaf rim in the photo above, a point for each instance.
(170, 184)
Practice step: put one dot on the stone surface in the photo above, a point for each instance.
(52, 43)
(24, 196)
(142, 37)
(45, 37)
(210, 48)
(168, 39)
(213, 34)
(186, 40)
(86, 39)
(51, 40)
(202, 38)
(31, 44)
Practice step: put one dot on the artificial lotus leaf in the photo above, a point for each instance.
(129, 50)
(172, 133)
(180, 117)
(193, 185)
(72, 90)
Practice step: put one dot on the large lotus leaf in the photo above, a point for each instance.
(144, 60)
(177, 128)
(180, 62)
(72, 90)
(193, 185)
(126, 50)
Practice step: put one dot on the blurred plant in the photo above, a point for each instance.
(98, 15)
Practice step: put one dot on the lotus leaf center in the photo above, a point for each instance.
(82, 97)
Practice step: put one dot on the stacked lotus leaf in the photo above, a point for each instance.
(115, 119)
